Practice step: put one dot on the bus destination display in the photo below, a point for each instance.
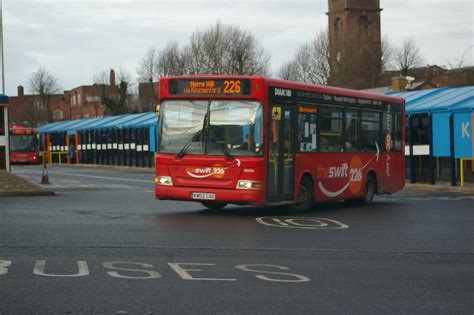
(209, 87)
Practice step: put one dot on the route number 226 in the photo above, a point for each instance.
(231, 86)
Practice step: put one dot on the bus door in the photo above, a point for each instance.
(280, 164)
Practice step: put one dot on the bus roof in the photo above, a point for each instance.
(298, 86)
(18, 127)
(331, 90)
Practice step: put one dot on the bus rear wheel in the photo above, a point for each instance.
(369, 190)
(305, 196)
(214, 206)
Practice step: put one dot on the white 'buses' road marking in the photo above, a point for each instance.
(41, 264)
(151, 274)
(185, 275)
(4, 264)
(299, 278)
(265, 272)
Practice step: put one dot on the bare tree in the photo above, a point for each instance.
(45, 85)
(311, 62)
(465, 60)
(171, 61)
(114, 98)
(101, 77)
(124, 80)
(245, 55)
(220, 49)
(289, 71)
(148, 73)
(408, 56)
(148, 66)
(387, 54)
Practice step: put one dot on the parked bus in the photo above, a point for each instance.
(24, 147)
(260, 141)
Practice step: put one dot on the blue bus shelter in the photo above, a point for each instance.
(449, 114)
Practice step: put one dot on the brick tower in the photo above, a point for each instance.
(355, 43)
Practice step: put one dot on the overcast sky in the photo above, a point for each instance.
(75, 39)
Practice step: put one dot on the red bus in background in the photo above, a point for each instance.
(24, 147)
(253, 140)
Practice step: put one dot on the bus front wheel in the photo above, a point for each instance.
(214, 205)
(305, 196)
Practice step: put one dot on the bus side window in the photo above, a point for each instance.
(331, 129)
(307, 131)
(352, 131)
(397, 133)
(370, 130)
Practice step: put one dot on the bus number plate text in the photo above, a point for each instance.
(203, 196)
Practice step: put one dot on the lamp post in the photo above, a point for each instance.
(1, 42)
(5, 109)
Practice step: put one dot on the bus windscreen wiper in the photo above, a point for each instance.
(186, 146)
(222, 147)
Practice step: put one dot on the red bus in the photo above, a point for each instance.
(24, 146)
(260, 141)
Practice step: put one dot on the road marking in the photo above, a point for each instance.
(110, 178)
(265, 272)
(318, 223)
(183, 273)
(111, 265)
(4, 264)
(302, 223)
(83, 269)
(278, 221)
(299, 278)
(96, 176)
(461, 198)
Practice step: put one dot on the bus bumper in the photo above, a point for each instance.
(236, 196)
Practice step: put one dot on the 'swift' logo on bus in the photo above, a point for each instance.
(351, 171)
(215, 171)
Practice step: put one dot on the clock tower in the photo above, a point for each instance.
(355, 45)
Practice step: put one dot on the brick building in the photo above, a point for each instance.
(28, 110)
(425, 78)
(81, 102)
(86, 101)
(355, 44)
(148, 94)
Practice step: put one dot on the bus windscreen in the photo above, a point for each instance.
(22, 143)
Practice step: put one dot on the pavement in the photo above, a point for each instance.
(13, 185)
(442, 187)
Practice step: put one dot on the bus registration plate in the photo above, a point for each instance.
(203, 196)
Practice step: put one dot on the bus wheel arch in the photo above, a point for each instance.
(370, 188)
(305, 197)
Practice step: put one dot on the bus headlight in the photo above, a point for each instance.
(163, 180)
(249, 184)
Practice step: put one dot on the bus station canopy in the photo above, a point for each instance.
(443, 99)
(142, 120)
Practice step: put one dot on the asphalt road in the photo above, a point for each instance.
(105, 245)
